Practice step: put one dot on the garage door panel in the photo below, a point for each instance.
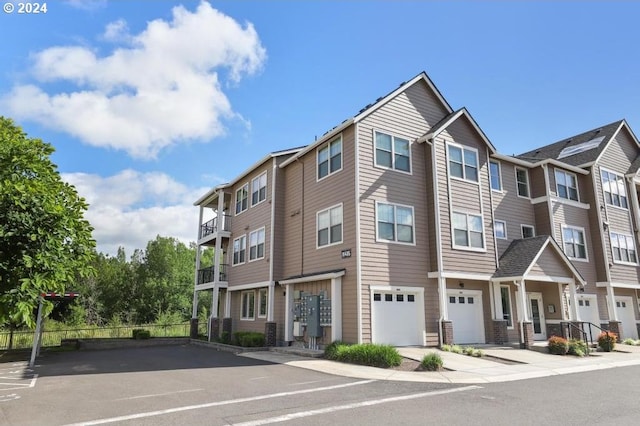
(626, 315)
(465, 312)
(397, 318)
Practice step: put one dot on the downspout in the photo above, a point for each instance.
(441, 296)
(272, 242)
(524, 308)
(611, 310)
(358, 257)
(194, 312)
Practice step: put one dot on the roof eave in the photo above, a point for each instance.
(330, 134)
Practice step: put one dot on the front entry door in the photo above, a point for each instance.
(536, 313)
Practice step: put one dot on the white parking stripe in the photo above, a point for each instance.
(158, 394)
(214, 404)
(309, 413)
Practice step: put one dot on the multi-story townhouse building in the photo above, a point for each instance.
(404, 225)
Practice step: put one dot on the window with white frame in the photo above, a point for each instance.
(394, 223)
(248, 311)
(239, 250)
(329, 158)
(574, 243)
(527, 231)
(505, 295)
(242, 196)
(495, 175)
(500, 228)
(615, 193)
(256, 244)
(463, 162)
(263, 297)
(467, 230)
(566, 185)
(522, 182)
(393, 152)
(259, 189)
(329, 225)
(623, 247)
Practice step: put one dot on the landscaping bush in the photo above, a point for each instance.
(578, 347)
(456, 349)
(374, 355)
(558, 345)
(248, 339)
(629, 341)
(432, 362)
(140, 333)
(607, 341)
(446, 348)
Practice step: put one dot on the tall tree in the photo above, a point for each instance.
(44, 239)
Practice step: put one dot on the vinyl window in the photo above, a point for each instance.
(463, 162)
(500, 228)
(239, 250)
(395, 223)
(263, 298)
(566, 185)
(248, 305)
(256, 244)
(574, 243)
(392, 152)
(505, 295)
(496, 175)
(259, 189)
(467, 230)
(329, 158)
(623, 247)
(522, 182)
(615, 193)
(527, 231)
(329, 225)
(242, 196)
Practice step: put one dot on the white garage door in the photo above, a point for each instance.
(397, 318)
(588, 312)
(465, 312)
(624, 310)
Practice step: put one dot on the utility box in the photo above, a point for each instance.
(313, 316)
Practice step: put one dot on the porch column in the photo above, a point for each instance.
(442, 292)
(270, 301)
(575, 315)
(288, 313)
(497, 297)
(219, 222)
(227, 304)
(336, 309)
(214, 300)
(611, 303)
(522, 301)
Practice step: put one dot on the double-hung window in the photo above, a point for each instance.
(574, 243)
(329, 225)
(467, 230)
(495, 175)
(463, 162)
(614, 190)
(500, 228)
(259, 189)
(248, 305)
(395, 223)
(263, 297)
(329, 158)
(256, 244)
(239, 250)
(566, 185)
(522, 182)
(527, 231)
(242, 196)
(393, 152)
(623, 247)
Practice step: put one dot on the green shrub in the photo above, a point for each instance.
(578, 347)
(629, 341)
(558, 345)
(446, 348)
(607, 341)
(456, 349)
(478, 353)
(248, 339)
(432, 362)
(468, 350)
(374, 355)
(140, 333)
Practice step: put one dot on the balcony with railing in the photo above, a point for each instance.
(221, 223)
(206, 275)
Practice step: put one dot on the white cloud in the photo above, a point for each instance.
(130, 208)
(160, 88)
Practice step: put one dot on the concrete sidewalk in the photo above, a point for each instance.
(499, 364)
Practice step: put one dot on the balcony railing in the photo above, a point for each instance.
(205, 275)
(211, 226)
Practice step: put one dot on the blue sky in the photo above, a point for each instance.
(151, 103)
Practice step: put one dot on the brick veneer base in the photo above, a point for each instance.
(214, 329)
(447, 333)
(193, 328)
(227, 326)
(500, 332)
(270, 334)
(527, 335)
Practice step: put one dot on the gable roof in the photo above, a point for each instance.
(587, 146)
(521, 255)
(449, 119)
(367, 110)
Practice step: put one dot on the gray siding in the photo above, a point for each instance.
(551, 264)
(564, 214)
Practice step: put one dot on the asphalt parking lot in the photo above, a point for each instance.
(183, 384)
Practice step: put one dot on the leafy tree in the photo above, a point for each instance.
(44, 239)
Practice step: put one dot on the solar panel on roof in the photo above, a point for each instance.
(581, 147)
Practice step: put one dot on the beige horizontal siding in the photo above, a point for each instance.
(551, 264)
(564, 214)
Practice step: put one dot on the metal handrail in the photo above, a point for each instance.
(572, 324)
